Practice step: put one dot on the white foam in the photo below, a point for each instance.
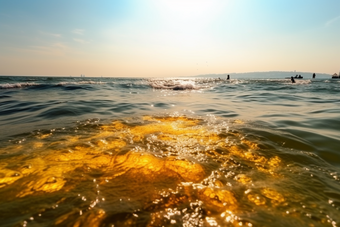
(80, 82)
(173, 84)
(16, 85)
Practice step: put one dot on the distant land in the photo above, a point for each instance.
(268, 75)
(246, 75)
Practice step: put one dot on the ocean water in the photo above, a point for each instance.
(169, 151)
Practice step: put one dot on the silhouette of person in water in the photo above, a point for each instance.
(313, 75)
(228, 77)
(292, 79)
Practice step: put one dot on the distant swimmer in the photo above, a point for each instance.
(228, 77)
(292, 79)
(313, 75)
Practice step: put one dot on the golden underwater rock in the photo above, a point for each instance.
(276, 197)
(90, 218)
(46, 184)
(8, 177)
(175, 129)
(76, 154)
(152, 167)
(220, 198)
(258, 199)
(248, 153)
(242, 178)
(119, 150)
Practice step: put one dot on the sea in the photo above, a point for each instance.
(254, 150)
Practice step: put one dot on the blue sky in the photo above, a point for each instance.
(168, 37)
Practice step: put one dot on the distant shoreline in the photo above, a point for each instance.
(258, 75)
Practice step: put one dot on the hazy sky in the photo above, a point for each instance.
(168, 37)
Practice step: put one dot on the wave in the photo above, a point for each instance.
(172, 86)
(184, 84)
(80, 83)
(34, 84)
(155, 83)
(16, 85)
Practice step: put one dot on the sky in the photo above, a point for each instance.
(168, 38)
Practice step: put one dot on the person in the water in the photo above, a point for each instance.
(292, 79)
(228, 77)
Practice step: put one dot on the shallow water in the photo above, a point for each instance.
(169, 152)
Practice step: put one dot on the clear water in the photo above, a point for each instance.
(169, 152)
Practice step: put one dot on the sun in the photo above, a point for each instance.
(193, 7)
(188, 9)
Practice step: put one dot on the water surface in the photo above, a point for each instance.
(169, 152)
